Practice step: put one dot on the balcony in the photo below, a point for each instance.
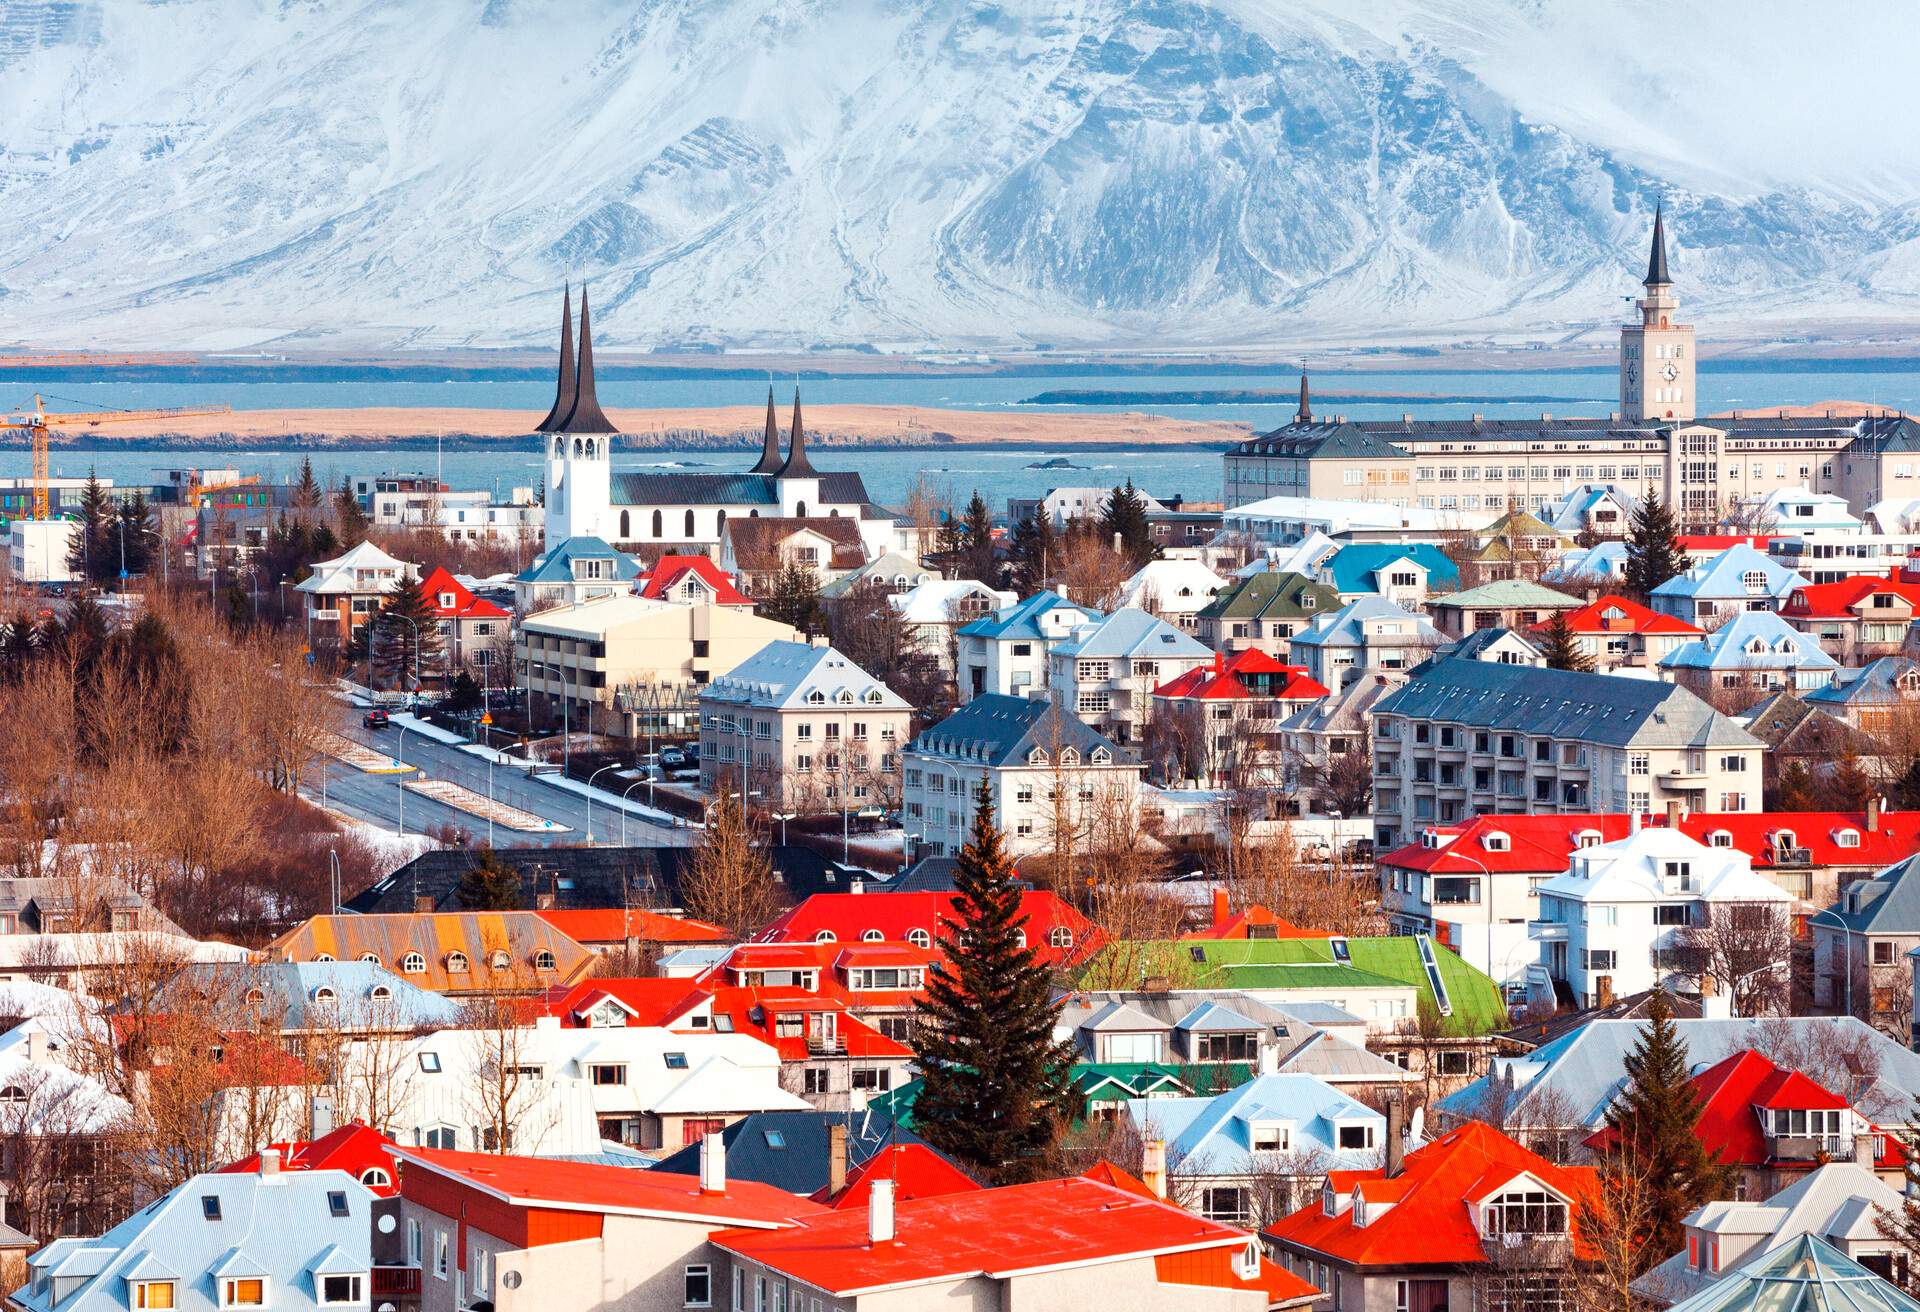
(1793, 856)
(1684, 776)
(1809, 1148)
(826, 1045)
(396, 1282)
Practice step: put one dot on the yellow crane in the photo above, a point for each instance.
(39, 421)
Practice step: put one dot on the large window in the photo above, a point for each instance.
(1227, 1204)
(1531, 1291)
(1526, 1212)
(1228, 1047)
(340, 1290)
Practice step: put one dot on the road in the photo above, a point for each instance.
(377, 798)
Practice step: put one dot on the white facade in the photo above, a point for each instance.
(37, 550)
(1008, 653)
(1605, 922)
(1107, 671)
(1175, 590)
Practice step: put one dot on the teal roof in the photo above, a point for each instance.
(1021, 620)
(555, 565)
(1353, 567)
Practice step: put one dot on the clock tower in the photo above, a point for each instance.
(1656, 354)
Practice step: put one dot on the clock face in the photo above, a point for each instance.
(1671, 372)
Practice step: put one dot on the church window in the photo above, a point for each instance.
(576, 448)
(657, 524)
(626, 527)
(689, 532)
(800, 509)
(720, 524)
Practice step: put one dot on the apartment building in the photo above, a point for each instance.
(1106, 671)
(1263, 611)
(349, 590)
(1859, 619)
(1466, 736)
(1007, 652)
(1371, 634)
(805, 727)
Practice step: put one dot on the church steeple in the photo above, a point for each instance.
(770, 443)
(563, 391)
(586, 415)
(1305, 414)
(797, 465)
(1657, 258)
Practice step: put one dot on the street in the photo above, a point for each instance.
(376, 798)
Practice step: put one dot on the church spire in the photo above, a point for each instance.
(797, 465)
(1305, 415)
(563, 391)
(770, 444)
(586, 415)
(1657, 259)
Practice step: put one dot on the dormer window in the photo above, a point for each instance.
(872, 936)
(1719, 838)
(413, 964)
(816, 698)
(1270, 1137)
(1524, 1212)
(456, 963)
(1497, 842)
(1847, 838)
(919, 938)
(243, 1291)
(1060, 937)
(824, 936)
(153, 1293)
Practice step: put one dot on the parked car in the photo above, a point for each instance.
(375, 719)
(673, 758)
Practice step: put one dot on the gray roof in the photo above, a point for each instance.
(1470, 647)
(1373, 438)
(1345, 711)
(787, 675)
(1132, 634)
(1597, 708)
(1873, 684)
(726, 490)
(332, 995)
(1322, 439)
(1889, 903)
(997, 730)
(1346, 627)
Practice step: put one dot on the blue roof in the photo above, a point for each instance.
(996, 729)
(1607, 560)
(1210, 1016)
(1725, 576)
(1213, 1136)
(1751, 640)
(555, 564)
(1021, 620)
(1133, 633)
(297, 993)
(1353, 567)
(1875, 683)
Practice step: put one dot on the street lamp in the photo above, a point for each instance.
(333, 863)
(590, 778)
(1846, 943)
(400, 782)
(623, 810)
(566, 711)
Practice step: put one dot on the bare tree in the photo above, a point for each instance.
(1743, 947)
(729, 880)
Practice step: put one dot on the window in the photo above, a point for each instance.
(413, 964)
(1452, 1061)
(376, 1178)
(676, 1061)
(339, 1289)
(153, 1293)
(1356, 1136)
(1600, 959)
(430, 1062)
(1525, 1212)
(1228, 1047)
(1060, 937)
(456, 963)
(698, 1285)
(414, 1247)
(246, 1291)
(544, 960)
(816, 1080)
(209, 1203)
(443, 1136)
(336, 1202)
(919, 938)
(1671, 913)
(1269, 1138)
(1883, 954)
(607, 1073)
(440, 1254)
(1227, 1204)
(872, 1079)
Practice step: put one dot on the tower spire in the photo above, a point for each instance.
(797, 465)
(586, 415)
(1305, 416)
(770, 444)
(1657, 259)
(563, 391)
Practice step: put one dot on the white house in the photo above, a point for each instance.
(1175, 590)
(1606, 922)
(935, 610)
(1800, 509)
(1007, 652)
(1107, 670)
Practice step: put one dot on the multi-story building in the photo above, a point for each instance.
(1740, 578)
(806, 727)
(1224, 719)
(1836, 557)
(1615, 633)
(1858, 619)
(1106, 671)
(757, 550)
(1506, 603)
(1654, 443)
(347, 591)
(932, 612)
(1007, 652)
(608, 659)
(1752, 654)
(1370, 634)
(1054, 781)
(1316, 738)
(1861, 945)
(422, 501)
(473, 631)
(1467, 736)
(1611, 924)
(1263, 611)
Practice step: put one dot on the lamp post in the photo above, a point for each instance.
(333, 863)
(623, 810)
(1846, 942)
(613, 765)
(400, 782)
(566, 712)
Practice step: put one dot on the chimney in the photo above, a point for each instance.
(1863, 1151)
(713, 1163)
(1269, 1058)
(269, 1161)
(1873, 814)
(1633, 822)
(856, 886)
(1396, 1136)
(836, 1161)
(38, 1053)
(1220, 906)
(1673, 813)
(1603, 986)
(1153, 1167)
(320, 1116)
(423, 904)
(880, 1213)
(1714, 1005)
(543, 900)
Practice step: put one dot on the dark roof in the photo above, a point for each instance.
(799, 1163)
(586, 415)
(1373, 438)
(756, 542)
(1657, 258)
(1537, 1033)
(1271, 593)
(563, 390)
(1889, 903)
(726, 490)
(797, 465)
(997, 729)
(1790, 726)
(930, 874)
(1323, 439)
(769, 462)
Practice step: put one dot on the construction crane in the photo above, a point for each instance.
(38, 422)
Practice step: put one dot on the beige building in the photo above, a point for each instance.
(805, 728)
(1654, 443)
(601, 656)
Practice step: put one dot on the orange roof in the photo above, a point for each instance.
(1213, 1268)
(465, 606)
(617, 925)
(1238, 925)
(988, 1232)
(353, 1148)
(1429, 1220)
(1842, 600)
(916, 1170)
(1225, 679)
(550, 1183)
(1105, 1172)
(647, 1001)
(1616, 614)
(669, 570)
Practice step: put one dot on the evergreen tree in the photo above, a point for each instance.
(1035, 554)
(1904, 795)
(1653, 1134)
(307, 494)
(1561, 648)
(1652, 557)
(19, 644)
(795, 599)
(976, 544)
(465, 694)
(1795, 790)
(88, 555)
(350, 521)
(995, 1086)
(489, 884)
(406, 644)
(136, 540)
(1125, 519)
(1847, 787)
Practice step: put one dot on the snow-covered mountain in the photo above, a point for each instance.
(386, 173)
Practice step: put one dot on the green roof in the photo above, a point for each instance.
(1328, 975)
(1509, 592)
(1105, 1079)
(1271, 593)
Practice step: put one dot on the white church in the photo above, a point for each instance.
(647, 513)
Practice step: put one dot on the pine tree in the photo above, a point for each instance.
(1653, 1134)
(1125, 518)
(489, 884)
(795, 599)
(87, 555)
(1034, 555)
(1561, 648)
(19, 644)
(976, 558)
(406, 646)
(465, 694)
(1652, 557)
(1847, 787)
(136, 536)
(1795, 790)
(307, 494)
(995, 1086)
(350, 521)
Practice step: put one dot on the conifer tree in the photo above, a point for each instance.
(407, 637)
(350, 521)
(1561, 648)
(88, 554)
(1795, 791)
(1653, 1135)
(1846, 787)
(795, 599)
(307, 495)
(1652, 557)
(1034, 554)
(137, 540)
(489, 884)
(1125, 518)
(995, 1086)
(976, 544)
(19, 644)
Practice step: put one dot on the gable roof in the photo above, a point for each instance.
(1353, 567)
(1725, 576)
(1752, 640)
(755, 543)
(1889, 903)
(340, 576)
(555, 564)
(1021, 621)
(849, 916)
(1271, 595)
(435, 937)
(999, 730)
(669, 570)
(591, 925)
(1613, 613)
(353, 1148)
(1506, 594)
(643, 490)
(1213, 1136)
(1844, 599)
(1347, 627)
(1132, 634)
(1227, 679)
(790, 675)
(917, 1171)
(1877, 683)
(464, 605)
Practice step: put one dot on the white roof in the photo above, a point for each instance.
(594, 617)
(1631, 870)
(934, 601)
(1348, 516)
(1175, 587)
(797, 675)
(366, 568)
(79, 951)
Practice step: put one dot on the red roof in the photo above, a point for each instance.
(1226, 679)
(988, 1232)
(647, 1001)
(755, 1011)
(1616, 614)
(916, 1170)
(849, 916)
(617, 925)
(1543, 843)
(1840, 601)
(1429, 1221)
(1241, 924)
(1214, 1268)
(552, 1184)
(1730, 1093)
(1716, 542)
(465, 605)
(353, 1148)
(669, 570)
